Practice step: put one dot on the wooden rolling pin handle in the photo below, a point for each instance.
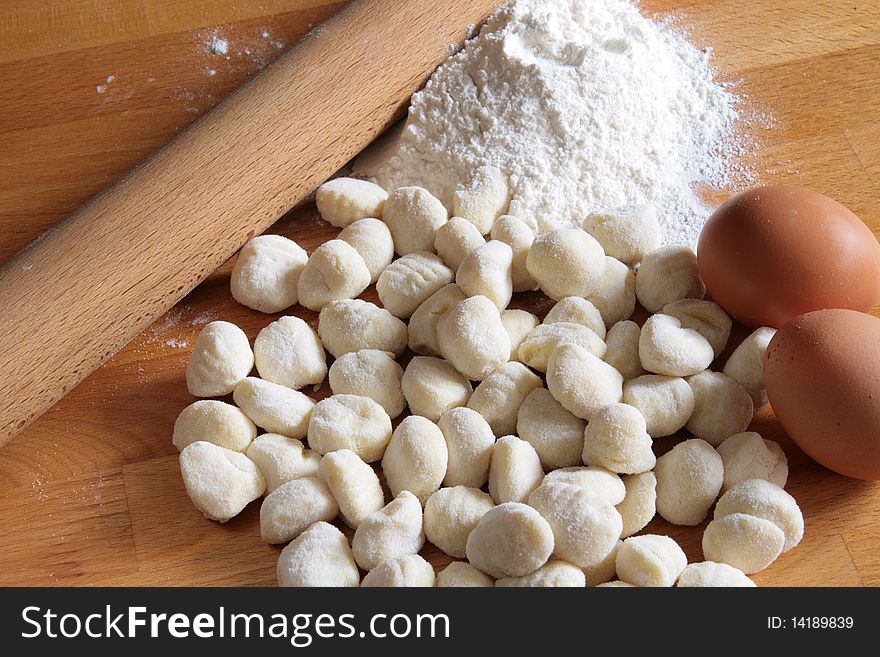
(78, 294)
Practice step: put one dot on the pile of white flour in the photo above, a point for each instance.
(586, 104)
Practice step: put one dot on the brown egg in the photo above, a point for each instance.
(822, 373)
(772, 253)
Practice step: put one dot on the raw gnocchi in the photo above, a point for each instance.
(689, 478)
(409, 281)
(266, 273)
(566, 262)
(342, 201)
(519, 237)
(462, 574)
(746, 364)
(518, 324)
(416, 458)
(472, 338)
(408, 570)
(599, 481)
(666, 402)
(722, 407)
(451, 514)
(350, 422)
(650, 560)
(576, 310)
(499, 396)
(617, 440)
(469, 441)
(628, 234)
(556, 573)
(710, 574)
(334, 271)
(433, 386)
(511, 540)
(294, 506)
(392, 531)
(556, 434)
(539, 345)
(455, 240)
(622, 349)
(219, 482)
(615, 294)
(282, 459)
(288, 352)
(749, 456)
(486, 271)
(372, 240)
(665, 347)
(484, 198)
(221, 358)
(705, 317)
(423, 323)
(273, 407)
(743, 541)
(353, 324)
(763, 499)
(639, 505)
(668, 274)
(320, 556)
(354, 485)
(413, 216)
(215, 422)
(514, 471)
(369, 373)
(581, 382)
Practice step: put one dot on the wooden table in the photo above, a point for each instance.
(91, 493)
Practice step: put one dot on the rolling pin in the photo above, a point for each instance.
(84, 289)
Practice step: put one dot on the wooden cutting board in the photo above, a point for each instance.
(91, 493)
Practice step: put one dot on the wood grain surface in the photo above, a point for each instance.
(91, 493)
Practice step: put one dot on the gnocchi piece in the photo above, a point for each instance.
(334, 271)
(450, 516)
(408, 570)
(342, 201)
(705, 317)
(484, 198)
(556, 574)
(668, 274)
(722, 407)
(433, 386)
(455, 240)
(413, 216)
(320, 556)
(536, 349)
(666, 402)
(500, 395)
(486, 271)
(567, 262)
(219, 482)
(472, 338)
(294, 506)
(462, 574)
(221, 357)
(353, 324)
(763, 499)
(369, 373)
(410, 281)
(575, 310)
(393, 531)
(617, 440)
(585, 527)
(215, 422)
(556, 434)
(282, 459)
(514, 471)
(622, 349)
(615, 294)
(469, 440)
(581, 382)
(628, 234)
(518, 324)
(354, 485)
(266, 273)
(423, 323)
(372, 240)
(599, 481)
(689, 478)
(650, 560)
(605, 570)
(746, 364)
(749, 456)
(519, 237)
(511, 540)
(708, 574)
(350, 422)
(288, 352)
(273, 407)
(415, 459)
(746, 542)
(639, 505)
(665, 347)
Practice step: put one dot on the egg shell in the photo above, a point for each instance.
(772, 253)
(822, 374)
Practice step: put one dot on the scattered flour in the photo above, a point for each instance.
(585, 104)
